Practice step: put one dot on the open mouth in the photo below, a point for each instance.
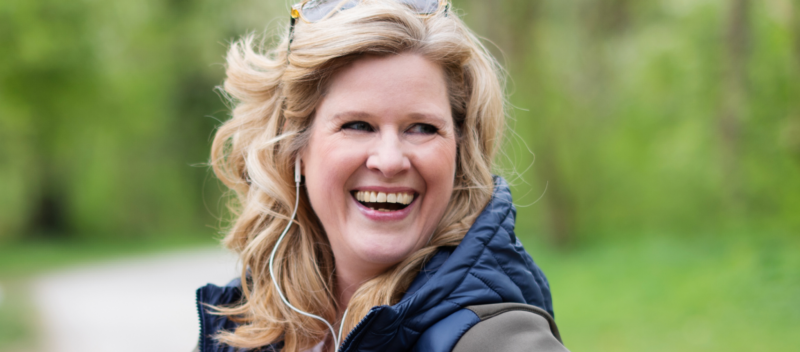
(384, 202)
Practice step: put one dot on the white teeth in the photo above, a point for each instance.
(382, 197)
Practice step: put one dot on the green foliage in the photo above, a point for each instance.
(107, 110)
(624, 105)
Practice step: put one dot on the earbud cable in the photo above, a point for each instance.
(336, 338)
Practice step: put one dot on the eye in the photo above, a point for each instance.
(423, 128)
(357, 126)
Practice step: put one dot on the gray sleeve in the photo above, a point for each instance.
(510, 329)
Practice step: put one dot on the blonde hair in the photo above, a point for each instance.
(274, 94)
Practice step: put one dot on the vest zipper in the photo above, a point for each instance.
(200, 346)
(347, 339)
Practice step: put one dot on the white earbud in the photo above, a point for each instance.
(297, 170)
(336, 338)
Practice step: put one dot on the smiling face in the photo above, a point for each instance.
(381, 159)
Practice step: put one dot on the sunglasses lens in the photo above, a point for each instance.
(349, 5)
(316, 10)
(422, 7)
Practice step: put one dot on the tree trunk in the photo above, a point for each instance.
(795, 16)
(559, 201)
(734, 98)
(507, 24)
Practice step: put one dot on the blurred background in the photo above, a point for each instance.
(654, 153)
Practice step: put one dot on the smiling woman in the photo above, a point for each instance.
(387, 115)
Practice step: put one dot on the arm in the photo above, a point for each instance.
(511, 327)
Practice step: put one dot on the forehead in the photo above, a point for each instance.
(402, 81)
(383, 65)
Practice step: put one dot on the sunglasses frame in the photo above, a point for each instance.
(297, 13)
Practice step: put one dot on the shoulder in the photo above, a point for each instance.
(209, 296)
(507, 327)
(511, 327)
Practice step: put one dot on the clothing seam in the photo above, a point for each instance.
(511, 277)
(410, 329)
(505, 271)
(483, 281)
(458, 305)
(468, 328)
(513, 309)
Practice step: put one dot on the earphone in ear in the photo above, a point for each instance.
(336, 338)
(297, 170)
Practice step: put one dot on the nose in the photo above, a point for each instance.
(387, 156)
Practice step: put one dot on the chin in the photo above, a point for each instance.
(387, 254)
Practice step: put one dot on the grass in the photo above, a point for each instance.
(17, 323)
(668, 294)
(643, 294)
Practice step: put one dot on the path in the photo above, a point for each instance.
(142, 304)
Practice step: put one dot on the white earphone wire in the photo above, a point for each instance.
(336, 338)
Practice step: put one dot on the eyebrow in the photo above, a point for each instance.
(428, 117)
(350, 114)
(417, 116)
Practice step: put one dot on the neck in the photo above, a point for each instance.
(346, 286)
(348, 281)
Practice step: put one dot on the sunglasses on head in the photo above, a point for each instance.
(317, 10)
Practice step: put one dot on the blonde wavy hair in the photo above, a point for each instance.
(274, 93)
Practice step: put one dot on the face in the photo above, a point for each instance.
(381, 160)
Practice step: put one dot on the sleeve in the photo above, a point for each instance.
(511, 327)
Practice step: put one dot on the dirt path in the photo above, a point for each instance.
(142, 304)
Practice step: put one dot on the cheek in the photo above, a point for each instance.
(437, 167)
(327, 166)
(443, 160)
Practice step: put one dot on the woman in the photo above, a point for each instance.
(386, 115)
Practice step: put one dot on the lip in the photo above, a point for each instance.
(375, 215)
(385, 189)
